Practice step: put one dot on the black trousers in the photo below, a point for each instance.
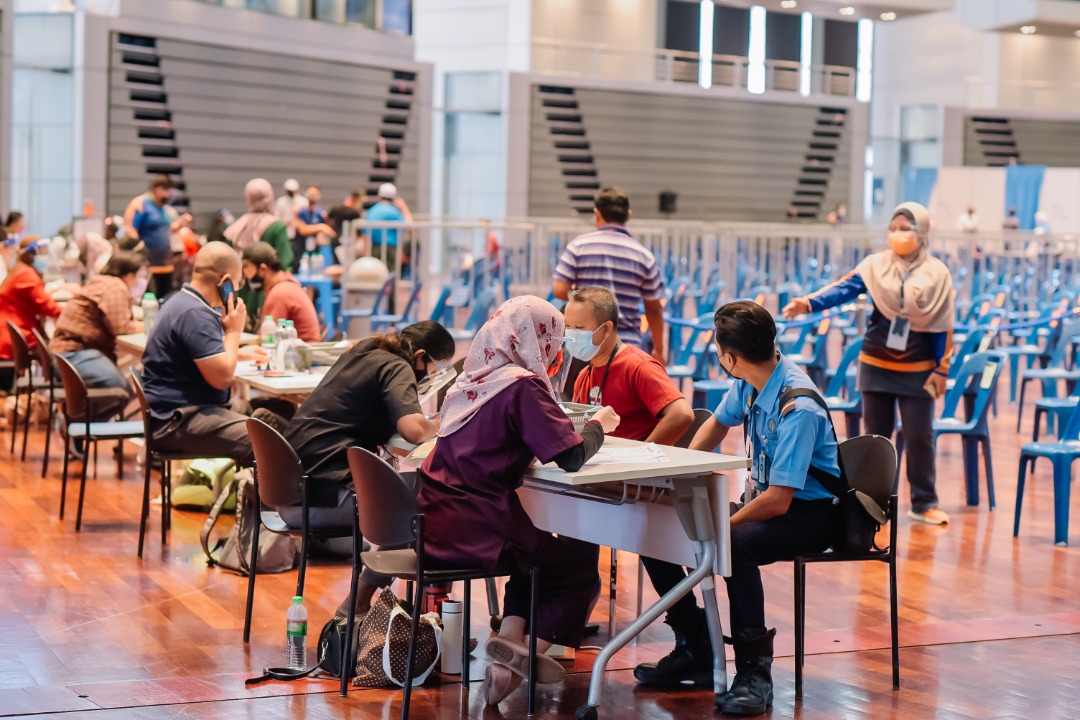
(806, 527)
(917, 414)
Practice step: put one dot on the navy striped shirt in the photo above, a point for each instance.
(610, 258)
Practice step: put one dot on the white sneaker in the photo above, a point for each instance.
(932, 516)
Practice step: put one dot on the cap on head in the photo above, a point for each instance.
(292, 185)
(387, 191)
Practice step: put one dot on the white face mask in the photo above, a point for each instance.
(579, 343)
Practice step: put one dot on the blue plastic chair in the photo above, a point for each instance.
(815, 359)
(975, 383)
(1061, 454)
(406, 316)
(840, 396)
(1027, 347)
(376, 306)
(481, 311)
(687, 354)
(708, 393)
(1067, 336)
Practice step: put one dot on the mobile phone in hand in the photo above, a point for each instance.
(228, 295)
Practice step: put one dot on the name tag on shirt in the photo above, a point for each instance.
(898, 333)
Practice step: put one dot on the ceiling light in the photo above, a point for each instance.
(1028, 29)
(845, 11)
(788, 4)
(888, 16)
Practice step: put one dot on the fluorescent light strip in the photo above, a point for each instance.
(806, 53)
(705, 43)
(864, 64)
(755, 72)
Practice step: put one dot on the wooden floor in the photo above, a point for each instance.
(989, 624)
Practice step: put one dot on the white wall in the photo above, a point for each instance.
(478, 35)
(628, 27)
(1038, 73)
(958, 187)
(1060, 199)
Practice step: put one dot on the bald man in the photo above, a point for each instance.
(190, 360)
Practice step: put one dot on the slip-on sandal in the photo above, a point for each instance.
(515, 656)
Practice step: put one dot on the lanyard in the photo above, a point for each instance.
(596, 394)
(903, 280)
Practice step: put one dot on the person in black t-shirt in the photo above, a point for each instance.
(347, 211)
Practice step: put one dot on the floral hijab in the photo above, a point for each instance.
(522, 339)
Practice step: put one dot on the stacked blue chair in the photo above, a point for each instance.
(405, 317)
(1067, 335)
(481, 311)
(976, 383)
(1061, 454)
(814, 356)
(687, 354)
(841, 396)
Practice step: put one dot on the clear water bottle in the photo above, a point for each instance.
(318, 264)
(296, 634)
(305, 265)
(280, 337)
(150, 308)
(292, 357)
(268, 334)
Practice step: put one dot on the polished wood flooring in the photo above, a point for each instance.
(990, 625)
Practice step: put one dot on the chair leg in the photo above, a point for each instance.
(95, 458)
(494, 614)
(1062, 483)
(119, 459)
(145, 510)
(1020, 406)
(640, 586)
(414, 628)
(82, 485)
(466, 621)
(301, 572)
(15, 418)
(64, 476)
(1038, 421)
(165, 483)
(26, 423)
(613, 591)
(895, 620)
(988, 461)
(253, 566)
(800, 603)
(1021, 477)
(534, 597)
(343, 692)
(48, 436)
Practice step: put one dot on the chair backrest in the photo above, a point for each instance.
(977, 340)
(700, 416)
(280, 474)
(410, 306)
(870, 464)
(439, 313)
(386, 501)
(839, 381)
(1068, 331)
(144, 409)
(20, 350)
(44, 356)
(384, 294)
(76, 405)
(983, 370)
(485, 305)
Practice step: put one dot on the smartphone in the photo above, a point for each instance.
(228, 294)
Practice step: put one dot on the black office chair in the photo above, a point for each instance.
(56, 391)
(280, 482)
(390, 517)
(79, 409)
(161, 460)
(871, 466)
(25, 383)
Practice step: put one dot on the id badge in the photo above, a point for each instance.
(898, 333)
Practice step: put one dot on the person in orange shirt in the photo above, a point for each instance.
(285, 298)
(23, 299)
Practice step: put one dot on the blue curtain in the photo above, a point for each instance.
(917, 184)
(1022, 186)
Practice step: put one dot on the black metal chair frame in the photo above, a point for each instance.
(23, 362)
(362, 462)
(886, 555)
(289, 486)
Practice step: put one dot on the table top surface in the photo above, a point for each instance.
(681, 463)
(137, 341)
(300, 383)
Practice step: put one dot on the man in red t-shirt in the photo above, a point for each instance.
(285, 298)
(627, 378)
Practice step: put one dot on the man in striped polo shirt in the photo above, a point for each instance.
(610, 258)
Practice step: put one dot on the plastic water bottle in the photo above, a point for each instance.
(305, 265)
(280, 337)
(451, 637)
(268, 334)
(292, 357)
(318, 264)
(150, 307)
(296, 634)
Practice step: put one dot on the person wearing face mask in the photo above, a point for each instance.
(907, 347)
(190, 360)
(499, 417)
(151, 221)
(23, 299)
(87, 328)
(282, 296)
(368, 395)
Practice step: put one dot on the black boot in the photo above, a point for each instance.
(751, 691)
(689, 665)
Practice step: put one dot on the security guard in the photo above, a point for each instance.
(785, 510)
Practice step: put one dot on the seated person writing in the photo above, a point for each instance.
(789, 512)
(283, 297)
(367, 396)
(88, 325)
(190, 360)
(498, 418)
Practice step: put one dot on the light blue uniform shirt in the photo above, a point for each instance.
(384, 212)
(789, 444)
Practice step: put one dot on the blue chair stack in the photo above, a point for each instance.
(1061, 454)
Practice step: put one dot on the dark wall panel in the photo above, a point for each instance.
(841, 43)
(783, 36)
(731, 31)
(682, 25)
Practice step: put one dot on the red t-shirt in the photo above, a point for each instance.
(287, 300)
(637, 388)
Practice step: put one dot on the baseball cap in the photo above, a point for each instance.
(292, 185)
(387, 191)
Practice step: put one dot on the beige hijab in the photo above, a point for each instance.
(926, 282)
(249, 227)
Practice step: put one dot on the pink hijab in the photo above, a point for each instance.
(249, 227)
(521, 340)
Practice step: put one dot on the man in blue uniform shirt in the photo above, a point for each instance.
(785, 511)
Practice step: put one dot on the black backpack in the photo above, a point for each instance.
(860, 515)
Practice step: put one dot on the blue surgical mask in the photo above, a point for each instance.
(579, 343)
(41, 263)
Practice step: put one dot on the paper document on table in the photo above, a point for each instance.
(628, 455)
(420, 452)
